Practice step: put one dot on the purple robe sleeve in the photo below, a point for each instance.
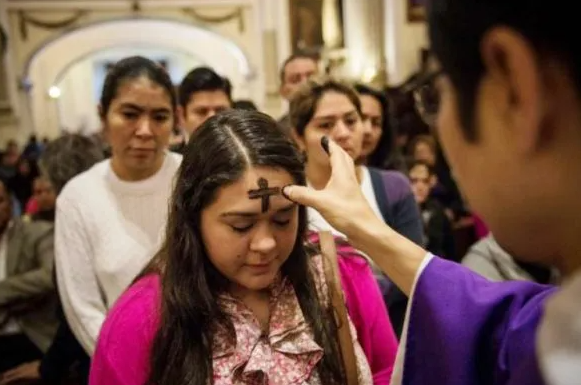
(464, 329)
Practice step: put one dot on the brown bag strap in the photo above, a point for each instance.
(331, 269)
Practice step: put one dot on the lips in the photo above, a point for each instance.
(142, 151)
(260, 268)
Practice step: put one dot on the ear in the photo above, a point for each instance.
(513, 72)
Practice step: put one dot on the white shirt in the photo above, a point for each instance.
(106, 232)
(318, 223)
(11, 326)
(559, 337)
(397, 375)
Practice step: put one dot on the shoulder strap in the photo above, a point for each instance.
(332, 277)
(380, 190)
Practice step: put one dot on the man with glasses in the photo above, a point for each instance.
(509, 120)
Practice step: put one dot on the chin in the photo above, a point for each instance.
(257, 283)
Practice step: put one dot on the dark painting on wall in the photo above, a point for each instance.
(306, 24)
(416, 10)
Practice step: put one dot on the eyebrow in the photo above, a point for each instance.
(139, 108)
(251, 214)
(329, 117)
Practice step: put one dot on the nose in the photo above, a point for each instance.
(263, 241)
(341, 131)
(367, 127)
(144, 128)
(211, 113)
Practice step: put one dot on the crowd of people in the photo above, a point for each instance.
(180, 254)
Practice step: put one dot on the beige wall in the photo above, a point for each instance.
(232, 47)
(403, 42)
(378, 38)
(209, 48)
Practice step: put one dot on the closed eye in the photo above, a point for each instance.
(242, 229)
(130, 115)
(282, 223)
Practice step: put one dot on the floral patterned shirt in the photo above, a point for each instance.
(287, 355)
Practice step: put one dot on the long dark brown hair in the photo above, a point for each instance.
(218, 155)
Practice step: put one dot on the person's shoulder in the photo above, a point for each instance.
(33, 229)
(395, 182)
(126, 337)
(175, 159)
(135, 314)
(391, 176)
(79, 186)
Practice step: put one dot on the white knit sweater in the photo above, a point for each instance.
(106, 232)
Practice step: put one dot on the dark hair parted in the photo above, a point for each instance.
(68, 156)
(202, 79)
(380, 157)
(305, 101)
(457, 27)
(132, 68)
(218, 155)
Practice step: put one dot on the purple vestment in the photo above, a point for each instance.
(466, 330)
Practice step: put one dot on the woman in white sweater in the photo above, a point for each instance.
(109, 218)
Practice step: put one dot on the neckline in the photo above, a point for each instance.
(142, 187)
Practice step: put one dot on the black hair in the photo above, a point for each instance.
(380, 157)
(244, 104)
(202, 79)
(132, 68)
(456, 29)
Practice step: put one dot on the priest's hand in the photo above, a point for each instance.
(343, 205)
(341, 202)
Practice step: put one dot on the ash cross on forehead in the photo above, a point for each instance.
(264, 192)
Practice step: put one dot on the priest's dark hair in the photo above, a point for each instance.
(457, 27)
(217, 155)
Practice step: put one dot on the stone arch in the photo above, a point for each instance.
(46, 64)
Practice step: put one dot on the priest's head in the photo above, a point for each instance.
(508, 114)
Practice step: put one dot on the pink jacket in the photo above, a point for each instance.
(122, 355)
